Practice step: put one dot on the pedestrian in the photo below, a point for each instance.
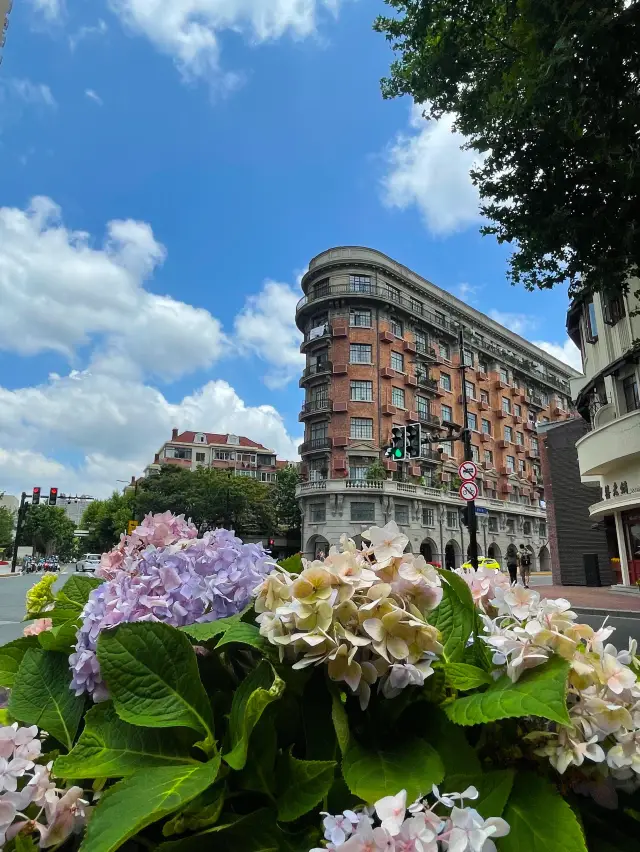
(525, 566)
(512, 565)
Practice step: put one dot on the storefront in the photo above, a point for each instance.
(630, 525)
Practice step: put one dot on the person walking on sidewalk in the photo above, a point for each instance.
(525, 566)
(512, 565)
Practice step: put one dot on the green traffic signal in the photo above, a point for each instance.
(398, 453)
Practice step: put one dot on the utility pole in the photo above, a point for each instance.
(22, 511)
(466, 443)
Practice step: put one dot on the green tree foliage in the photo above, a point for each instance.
(211, 498)
(6, 527)
(106, 520)
(376, 471)
(547, 93)
(284, 495)
(48, 530)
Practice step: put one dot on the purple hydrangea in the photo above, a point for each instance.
(192, 581)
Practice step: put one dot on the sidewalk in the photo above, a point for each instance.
(601, 601)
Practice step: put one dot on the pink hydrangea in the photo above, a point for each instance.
(38, 626)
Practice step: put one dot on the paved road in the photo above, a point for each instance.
(12, 594)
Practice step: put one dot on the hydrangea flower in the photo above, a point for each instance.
(195, 579)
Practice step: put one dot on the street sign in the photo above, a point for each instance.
(480, 510)
(468, 471)
(468, 491)
(131, 526)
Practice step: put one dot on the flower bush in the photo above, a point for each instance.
(198, 695)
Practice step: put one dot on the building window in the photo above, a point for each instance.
(395, 327)
(427, 518)
(319, 396)
(397, 362)
(200, 457)
(452, 520)
(504, 375)
(318, 470)
(486, 427)
(542, 529)
(360, 353)
(592, 326)
(522, 467)
(445, 381)
(482, 366)
(511, 524)
(318, 431)
(252, 474)
(358, 471)
(506, 405)
(534, 445)
(511, 464)
(416, 306)
(422, 407)
(444, 351)
(177, 453)
(484, 397)
(630, 388)
(363, 512)
(470, 390)
(360, 283)
(472, 421)
(613, 310)
(475, 454)
(318, 513)
(446, 413)
(397, 397)
(447, 447)
(224, 455)
(360, 317)
(421, 341)
(267, 477)
(401, 514)
(493, 525)
(508, 434)
(468, 358)
(520, 439)
(361, 391)
(517, 410)
(393, 294)
(488, 457)
(362, 427)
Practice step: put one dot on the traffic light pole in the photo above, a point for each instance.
(466, 443)
(21, 513)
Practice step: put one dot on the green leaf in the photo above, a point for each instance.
(540, 819)
(454, 616)
(304, 784)
(198, 814)
(41, 695)
(144, 798)
(77, 590)
(255, 693)
(494, 789)
(61, 638)
(152, 674)
(412, 765)
(340, 722)
(11, 656)
(244, 634)
(259, 773)
(292, 564)
(110, 748)
(464, 677)
(539, 692)
(209, 629)
(457, 754)
(25, 843)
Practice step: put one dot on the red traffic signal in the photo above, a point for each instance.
(53, 496)
(272, 542)
(35, 497)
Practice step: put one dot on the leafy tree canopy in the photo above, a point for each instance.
(106, 520)
(284, 495)
(547, 92)
(6, 527)
(49, 530)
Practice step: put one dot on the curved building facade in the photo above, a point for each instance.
(381, 346)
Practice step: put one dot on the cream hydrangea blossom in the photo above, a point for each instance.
(359, 612)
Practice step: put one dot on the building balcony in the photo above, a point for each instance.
(425, 381)
(428, 418)
(319, 369)
(426, 351)
(612, 446)
(315, 406)
(377, 293)
(315, 445)
(320, 334)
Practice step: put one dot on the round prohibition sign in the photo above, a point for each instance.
(468, 491)
(467, 471)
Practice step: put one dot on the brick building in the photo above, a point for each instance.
(5, 9)
(243, 456)
(381, 347)
(572, 534)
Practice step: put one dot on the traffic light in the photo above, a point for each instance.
(35, 497)
(272, 543)
(468, 517)
(414, 441)
(53, 496)
(398, 449)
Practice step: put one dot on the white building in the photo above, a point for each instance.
(74, 506)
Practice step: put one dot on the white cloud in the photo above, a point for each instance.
(58, 292)
(521, 324)
(567, 352)
(24, 90)
(467, 292)
(266, 326)
(189, 30)
(51, 10)
(86, 32)
(428, 169)
(93, 96)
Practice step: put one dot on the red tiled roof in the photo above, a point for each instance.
(212, 438)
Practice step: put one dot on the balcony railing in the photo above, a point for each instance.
(319, 332)
(315, 406)
(428, 351)
(427, 417)
(317, 369)
(314, 445)
(425, 381)
(387, 294)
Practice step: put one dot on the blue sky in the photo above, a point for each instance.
(186, 161)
